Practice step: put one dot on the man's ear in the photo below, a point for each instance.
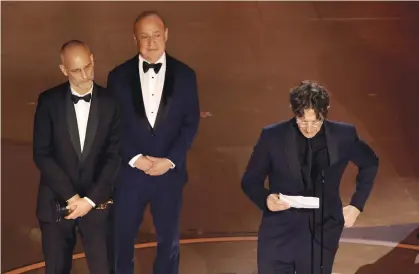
(166, 34)
(63, 70)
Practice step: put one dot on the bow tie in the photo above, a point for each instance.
(147, 66)
(76, 98)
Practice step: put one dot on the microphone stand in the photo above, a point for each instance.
(313, 239)
(321, 232)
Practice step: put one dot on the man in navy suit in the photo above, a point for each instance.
(160, 117)
(306, 156)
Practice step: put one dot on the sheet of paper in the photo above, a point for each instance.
(300, 201)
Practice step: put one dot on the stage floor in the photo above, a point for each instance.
(236, 255)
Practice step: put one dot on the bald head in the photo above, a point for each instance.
(149, 13)
(72, 48)
(77, 64)
(150, 35)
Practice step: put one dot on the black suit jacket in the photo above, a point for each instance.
(276, 156)
(176, 124)
(65, 170)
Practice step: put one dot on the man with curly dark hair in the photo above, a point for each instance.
(306, 156)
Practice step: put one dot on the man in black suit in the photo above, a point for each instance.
(77, 150)
(306, 156)
(160, 111)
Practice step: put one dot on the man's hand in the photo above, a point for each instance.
(275, 204)
(160, 166)
(78, 208)
(143, 163)
(73, 199)
(350, 214)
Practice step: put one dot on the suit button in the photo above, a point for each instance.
(153, 134)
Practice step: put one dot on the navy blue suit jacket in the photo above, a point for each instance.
(276, 156)
(176, 123)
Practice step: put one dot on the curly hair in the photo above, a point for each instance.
(310, 95)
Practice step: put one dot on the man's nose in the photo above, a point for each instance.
(310, 128)
(83, 74)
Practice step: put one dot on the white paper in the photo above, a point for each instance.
(300, 201)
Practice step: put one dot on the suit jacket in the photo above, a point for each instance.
(176, 123)
(65, 170)
(275, 155)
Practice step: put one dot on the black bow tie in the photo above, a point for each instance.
(76, 98)
(147, 66)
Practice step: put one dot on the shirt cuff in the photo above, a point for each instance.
(173, 165)
(134, 159)
(90, 201)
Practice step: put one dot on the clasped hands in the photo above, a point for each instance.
(78, 207)
(350, 213)
(153, 166)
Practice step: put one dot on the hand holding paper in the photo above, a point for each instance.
(300, 201)
(275, 204)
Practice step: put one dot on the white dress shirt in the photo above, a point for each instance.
(82, 109)
(152, 90)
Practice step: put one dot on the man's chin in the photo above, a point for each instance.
(86, 86)
(153, 55)
(309, 135)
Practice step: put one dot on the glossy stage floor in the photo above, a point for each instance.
(247, 55)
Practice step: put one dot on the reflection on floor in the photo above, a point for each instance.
(362, 251)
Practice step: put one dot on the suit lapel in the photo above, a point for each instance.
(72, 122)
(291, 151)
(332, 143)
(92, 123)
(137, 93)
(167, 91)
